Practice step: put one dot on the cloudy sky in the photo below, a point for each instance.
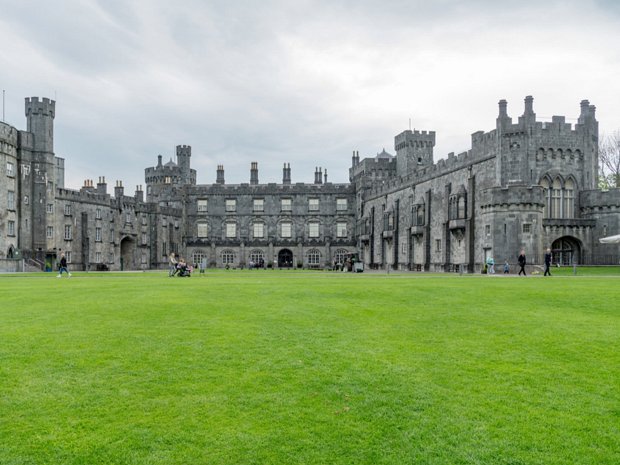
(304, 82)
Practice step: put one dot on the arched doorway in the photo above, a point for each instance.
(128, 246)
(285, 258)
(566, 251)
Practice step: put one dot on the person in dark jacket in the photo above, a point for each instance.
(63, 266)
(522, 261)
(548, 262)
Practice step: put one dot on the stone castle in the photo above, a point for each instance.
(523, 185)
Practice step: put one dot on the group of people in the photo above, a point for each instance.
(179, 267)
(522, 261)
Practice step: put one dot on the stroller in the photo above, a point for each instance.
(183, 270)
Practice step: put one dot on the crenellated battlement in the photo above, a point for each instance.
(44, 106)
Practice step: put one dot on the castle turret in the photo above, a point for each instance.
(40, 118)
(414, 149)
(184, 153)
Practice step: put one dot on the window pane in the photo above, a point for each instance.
(286, 229)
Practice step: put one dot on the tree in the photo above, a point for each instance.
(609, 160)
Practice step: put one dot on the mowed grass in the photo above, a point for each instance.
(273, 367)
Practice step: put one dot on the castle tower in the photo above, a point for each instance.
(40, 119)
(414, 149)
(184, 153)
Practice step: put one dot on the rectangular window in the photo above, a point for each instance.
(68, 256)
(167, 180)
(68, 209)
(287, 205)
(527, 228)
(313, 205)
(202, 205)
(97, 234)
(68, 235)
(49, 232)
(112, 235)
(231, 230)
(341, 204)
(49, 208)
(286, 229)
(50, 186)
(487, 230)
(144, 239)
(111, 257)
(202, 230)
(259, 205)
(341, 229)
(144, 222)
(128, 217)
(10, 228)
(231, 205)
(438, 245)
(259, 230)
(313, 229)
(11, 200)
(10, 170)
(98, 213)
(97, 257)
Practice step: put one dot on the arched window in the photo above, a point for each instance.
(569, 199)
(257, 257)
(199, 257)
(556, 199)
(228, 257)
(313, 257)
(340, 255)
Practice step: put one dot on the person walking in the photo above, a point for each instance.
(63, 266)
(547, 262)
(522, 261)
(173, 265)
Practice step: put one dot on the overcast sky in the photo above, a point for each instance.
(301, 82)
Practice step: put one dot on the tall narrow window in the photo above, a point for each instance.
(341, 229)
(231, 230)
(11, 200)
(556, 199)
(258, 230)
(569, 199)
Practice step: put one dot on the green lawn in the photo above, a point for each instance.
(274, 367)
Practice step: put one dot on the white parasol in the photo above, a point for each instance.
(610, 239)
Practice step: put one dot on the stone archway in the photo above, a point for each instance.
(285, 258)
(566, 250)
(128, 256)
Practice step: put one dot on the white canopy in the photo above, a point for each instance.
(610, 239)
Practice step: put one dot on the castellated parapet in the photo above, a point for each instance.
(525, 184)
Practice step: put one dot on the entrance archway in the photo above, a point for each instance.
(128, 254)
(285, 258)
(566, 251)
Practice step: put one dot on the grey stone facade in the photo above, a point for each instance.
(525, 184)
